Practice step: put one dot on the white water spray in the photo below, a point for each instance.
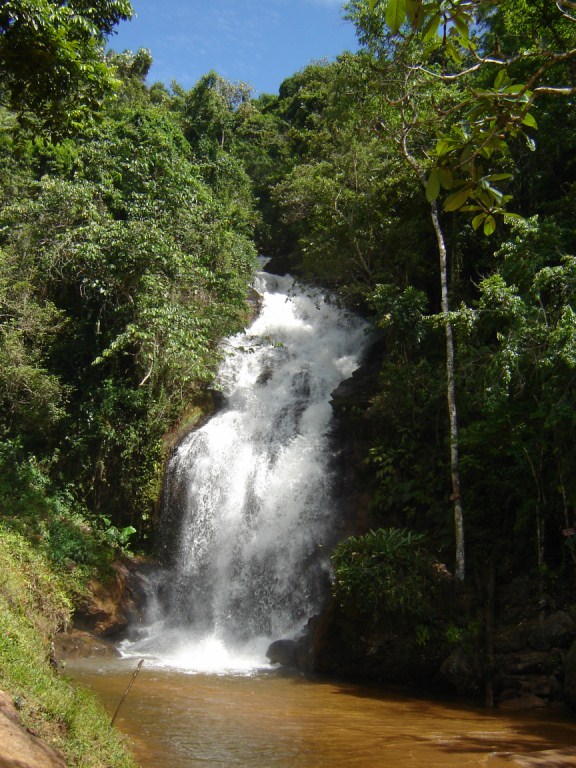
(253, 486)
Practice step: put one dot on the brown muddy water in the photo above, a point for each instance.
(269, 720)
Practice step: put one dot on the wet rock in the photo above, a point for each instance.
(521, 599)
(557, 630)
(525, 701)
(110, 606)
(282, 652)
(281, 264)
(78, 644)
(544, 686)
(305, 648)
(19, 747)
(351, 439)
(346, 647)
(540, 633)
(461, 672)
(254, 300)
(537, 673)
(516, 637)
(530, 661)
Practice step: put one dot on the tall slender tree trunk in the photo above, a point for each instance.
(460, 568)
(456, 497)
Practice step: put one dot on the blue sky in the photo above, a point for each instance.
(256, 41)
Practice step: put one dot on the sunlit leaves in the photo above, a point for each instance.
(145, 269)
(51, 58)
(449, 40)
(433, 186)
(395, 14)
(456, 200)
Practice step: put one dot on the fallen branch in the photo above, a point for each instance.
(127, 691)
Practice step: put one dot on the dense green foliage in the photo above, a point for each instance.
(52, 65)
(125, 259)
(130, 216)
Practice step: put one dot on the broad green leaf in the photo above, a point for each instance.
(514, 89)
(495, 193)
(431, 28)
(501, 78)
(433, 185)
(395, 14)
(530, 121)
(485, 198)
(466, 153)
(462, 28)
(499, 176)
(456, 199)
(443, 146)
(454, 52)
(489, 225)
(413, 8)
(446, 178)
(477, 220)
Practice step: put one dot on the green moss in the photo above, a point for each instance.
(34, 604)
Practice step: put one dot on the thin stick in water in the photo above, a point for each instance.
(127, 691)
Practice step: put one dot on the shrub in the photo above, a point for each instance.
(384, 572)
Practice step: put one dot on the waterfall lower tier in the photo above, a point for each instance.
(252, 488)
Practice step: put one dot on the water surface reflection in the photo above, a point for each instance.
(267, 720)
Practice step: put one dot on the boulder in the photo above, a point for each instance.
(282, 652)
(77, 644)
(524, 701)
(461, 672)
(19, 747)
(558, 630)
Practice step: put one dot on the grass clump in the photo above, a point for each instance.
(34, 604)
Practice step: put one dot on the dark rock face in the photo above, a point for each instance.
(281, 264)
(538, 671)
(282, 652)
(461, 672)
(351, 439)
(393, 650)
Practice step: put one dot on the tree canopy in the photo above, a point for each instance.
(52, 57)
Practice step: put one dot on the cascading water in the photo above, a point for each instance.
(253, 489)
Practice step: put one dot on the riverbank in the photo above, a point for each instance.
(45, 720)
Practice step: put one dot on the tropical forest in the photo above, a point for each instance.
(426, 185)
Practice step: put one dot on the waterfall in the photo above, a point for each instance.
(253, 489)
